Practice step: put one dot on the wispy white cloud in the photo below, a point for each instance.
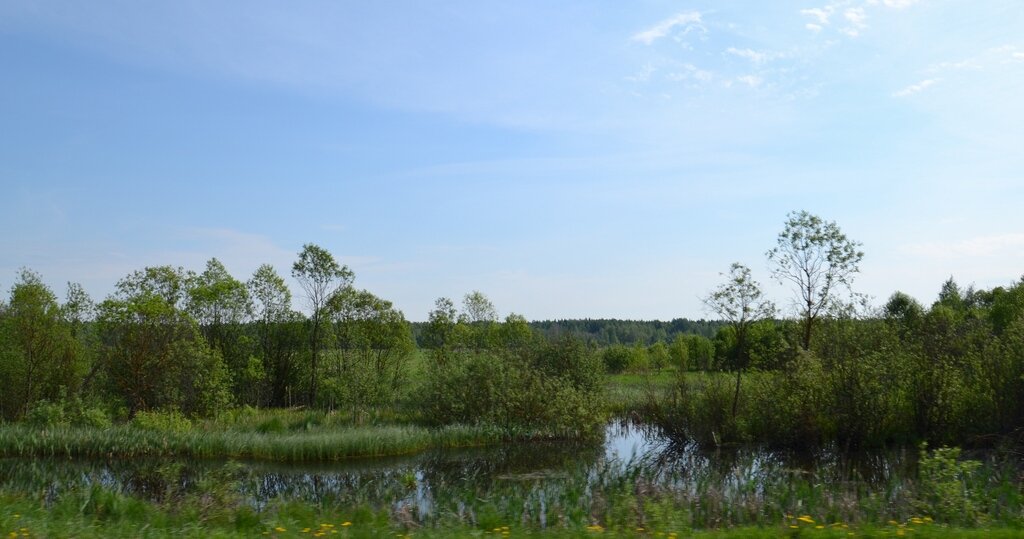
(820, 14)
(757, 57)
(855, 18)
(899, 4)
(814, 27)
(690, 71)
(643, 75)
(915, 88)
(750, 80)
(687, 20)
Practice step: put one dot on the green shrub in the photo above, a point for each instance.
(616, 358)
(551, 387)
(948, 489)
(162, 421)
(63, 413)
(94, 417)
(47, 414)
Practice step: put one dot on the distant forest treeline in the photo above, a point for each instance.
(611, 331)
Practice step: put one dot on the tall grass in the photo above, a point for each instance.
(761, 498)
(127, 441)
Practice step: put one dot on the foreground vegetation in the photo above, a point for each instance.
(948, 498)
(176, 364)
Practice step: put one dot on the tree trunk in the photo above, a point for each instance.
(736, 395)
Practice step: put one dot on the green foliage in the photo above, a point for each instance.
(616, 358)
(40, 358)
(551, 386)
(321, 278)
(279, 334)
(153, 354)
(659, 356)
(701, 352)
(162, 421)
(374, 347)
(606, 332)
(679, 353)
(815, 258)
(220, 305)
(949, 489)
(67, 412)
(46, 414)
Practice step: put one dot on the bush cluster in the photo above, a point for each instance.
(551, 387)
(952, 374)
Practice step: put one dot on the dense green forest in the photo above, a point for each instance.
(609, 331)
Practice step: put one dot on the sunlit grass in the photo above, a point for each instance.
(316, 444)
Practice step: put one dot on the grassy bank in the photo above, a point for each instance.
(104, 514)
(632, 392)
(129, 441)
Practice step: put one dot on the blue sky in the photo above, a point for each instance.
(568, 159)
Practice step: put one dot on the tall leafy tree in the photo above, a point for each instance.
(153, 352)
(479, 314)
(739, 301)
(277, 331)
(374, 346)
(218, 302)
(320, 277)
(816, 258)
(221, 306)
(39, 358)
(439, 335)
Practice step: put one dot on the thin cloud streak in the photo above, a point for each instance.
(663, 28)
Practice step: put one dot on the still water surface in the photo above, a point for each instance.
(425, 484)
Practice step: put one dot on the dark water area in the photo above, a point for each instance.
(433, 482)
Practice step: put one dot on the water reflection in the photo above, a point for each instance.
(442, 483)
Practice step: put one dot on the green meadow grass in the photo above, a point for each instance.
(321, 444)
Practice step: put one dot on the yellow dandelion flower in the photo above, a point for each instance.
(806, 518)
(279, 529)
(346, 523)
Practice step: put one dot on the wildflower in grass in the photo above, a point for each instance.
(346, 523)
(279, 529)
(806, 519)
